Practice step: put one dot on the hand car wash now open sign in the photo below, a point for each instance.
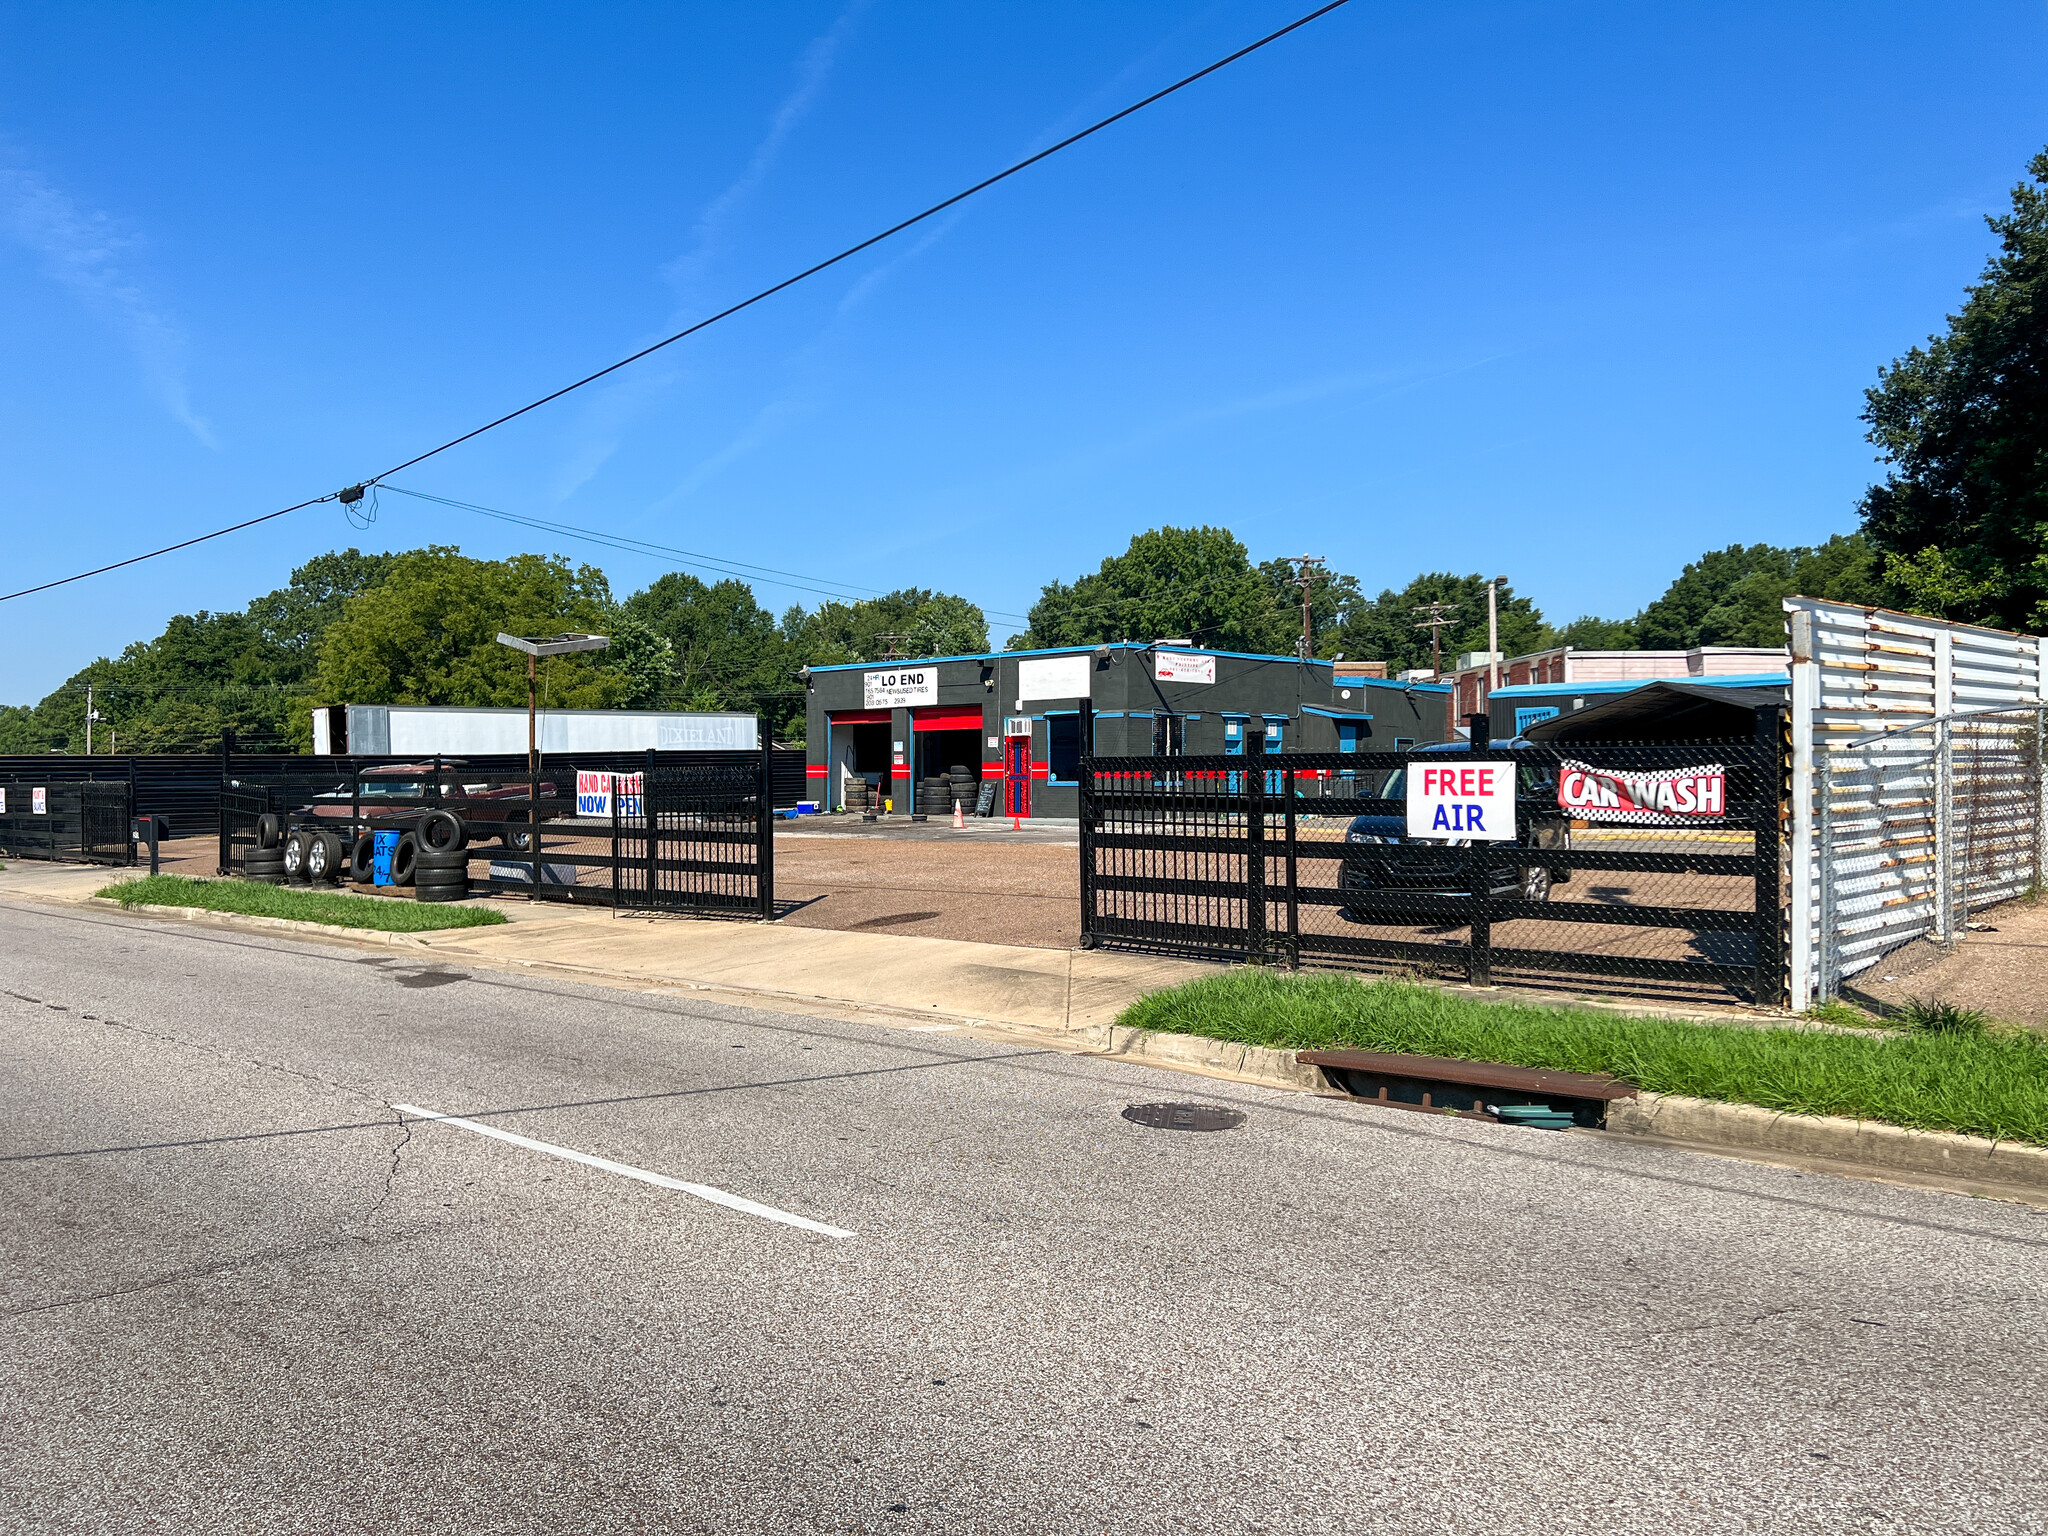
(1461, 800)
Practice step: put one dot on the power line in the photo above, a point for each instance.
(354, 493)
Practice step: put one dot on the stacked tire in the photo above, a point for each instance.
(935, 797)
(439, 865)
(966, 784)
(362, 859)
(265, 862)
(860, 795)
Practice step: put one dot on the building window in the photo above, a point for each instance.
(1169, 736)
(1063, 748)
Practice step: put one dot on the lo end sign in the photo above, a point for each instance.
(1467, 800)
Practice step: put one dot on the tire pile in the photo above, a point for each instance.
(935, 796)
(433, 858)
(860, 795)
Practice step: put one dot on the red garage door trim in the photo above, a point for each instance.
(861, 717)
(946, 719)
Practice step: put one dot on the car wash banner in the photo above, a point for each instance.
(1664, 797)
(594, 793)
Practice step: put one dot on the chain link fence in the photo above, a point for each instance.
(1920, 827)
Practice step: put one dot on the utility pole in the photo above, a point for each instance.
(1436, 616)
(88, 719)
(1306, 569)
(1493, 632)
(889, 651)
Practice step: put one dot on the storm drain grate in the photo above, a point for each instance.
(1185, 1117)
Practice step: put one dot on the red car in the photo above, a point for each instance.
(396, 795)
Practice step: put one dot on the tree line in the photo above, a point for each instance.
(1957, 529)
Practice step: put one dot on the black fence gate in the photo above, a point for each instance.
(44, 818)
(681, 836)
(1268, 858)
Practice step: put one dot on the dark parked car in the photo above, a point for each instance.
(1381, 856)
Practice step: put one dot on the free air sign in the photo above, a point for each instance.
(1461, 800)
(900, 688)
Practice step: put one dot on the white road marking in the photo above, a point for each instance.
(624, 1170)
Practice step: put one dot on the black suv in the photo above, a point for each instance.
(1381, 856)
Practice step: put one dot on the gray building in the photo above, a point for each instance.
(1015, 716)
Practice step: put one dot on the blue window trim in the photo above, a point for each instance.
(1334, 714)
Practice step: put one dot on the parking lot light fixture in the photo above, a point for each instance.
(545, 645)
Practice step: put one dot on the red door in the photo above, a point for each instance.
(1019, 777)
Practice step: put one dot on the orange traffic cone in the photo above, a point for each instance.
(959, 818)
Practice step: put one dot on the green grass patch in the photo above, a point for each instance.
(1991, 1082)
(331, 907)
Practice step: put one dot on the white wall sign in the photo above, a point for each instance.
(1055, 677)
(899, 688)
(3, 797)
(1461, 800)
(38, 803)
(1181, 667)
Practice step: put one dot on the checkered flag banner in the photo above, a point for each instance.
(1665, 797)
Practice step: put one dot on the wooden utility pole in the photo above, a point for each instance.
(1436, 617)
(1306, 569)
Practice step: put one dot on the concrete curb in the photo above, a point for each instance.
(1941, 1155)
(1196, 1053)
(269, 924)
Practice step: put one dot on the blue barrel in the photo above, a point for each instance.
(384, 848)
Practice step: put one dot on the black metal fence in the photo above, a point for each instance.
(74, 819)
(1306, 855)
(685, 836)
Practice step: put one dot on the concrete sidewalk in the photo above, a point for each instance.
(1006, 984)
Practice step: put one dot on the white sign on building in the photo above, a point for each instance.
(1055, 677)
(1182, 667)
(900, 688)
(1461, 801)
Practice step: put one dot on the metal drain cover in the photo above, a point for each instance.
(1185, 1117)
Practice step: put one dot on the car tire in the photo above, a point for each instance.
(362, 859)
(1535, 884)
(269, 829)
(442, 832)
(403, 859)
(442, 892)
(323, 857)
(441, 858)
(518, 836)
(261, 868)
(296, 848)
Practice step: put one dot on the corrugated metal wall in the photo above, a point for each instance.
(1857, 672)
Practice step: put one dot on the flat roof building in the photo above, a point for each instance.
(1543, 684)
(1014, 717)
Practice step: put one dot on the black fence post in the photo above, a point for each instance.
(227, 758)
(649, 850)
(764, 825)
(616, 795)
(1479, 966)
(153, 850)
(355, 815)
(533, 825)
(1293, 884)
(1773, 789)
(1086, 808)
(1255, 859)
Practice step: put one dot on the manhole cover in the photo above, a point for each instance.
(1185, 1117)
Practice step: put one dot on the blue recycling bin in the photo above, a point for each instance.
(383, 849)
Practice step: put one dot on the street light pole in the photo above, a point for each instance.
(532, 737)
(553, 645)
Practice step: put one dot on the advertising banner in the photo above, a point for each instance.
(594, 793)
(899, 688)
(1667, 797)
(1182, 667)
(38, 802)
(1462, 802)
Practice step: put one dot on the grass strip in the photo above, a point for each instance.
(330, 907)
(1988, 1084)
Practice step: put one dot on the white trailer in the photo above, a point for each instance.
(410, 730)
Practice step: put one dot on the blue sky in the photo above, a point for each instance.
(1566, 292)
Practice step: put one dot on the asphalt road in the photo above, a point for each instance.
(240, 1292)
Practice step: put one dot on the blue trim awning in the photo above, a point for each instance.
(1334, 714)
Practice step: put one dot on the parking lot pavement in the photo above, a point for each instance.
(244, 1292)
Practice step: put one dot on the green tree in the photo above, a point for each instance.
(923, 623)
(1384, 629)
(727, 652)
(1587, 633)
(643, 657)
(1962, 516)
(1734, 596)
(427, 634)
(1194, 583)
